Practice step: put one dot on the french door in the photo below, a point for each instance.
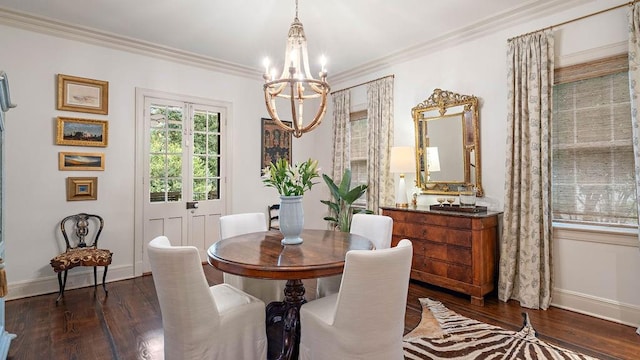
(183, 187)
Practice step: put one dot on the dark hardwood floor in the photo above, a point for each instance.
(127, 323)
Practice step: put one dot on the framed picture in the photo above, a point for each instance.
(80, 161)
(82, 132)
(82, 188)
(83, 95)
(276, 143)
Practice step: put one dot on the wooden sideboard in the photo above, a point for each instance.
(453, 250)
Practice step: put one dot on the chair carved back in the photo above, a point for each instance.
(80, 225)
(274, 216)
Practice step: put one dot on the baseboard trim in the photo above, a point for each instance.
(602, 308)
(76, 278)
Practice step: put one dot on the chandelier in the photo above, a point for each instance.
(296, 83)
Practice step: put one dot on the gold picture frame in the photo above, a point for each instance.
(82, 132)
(69, 161)
(82, 188)
(83, 95)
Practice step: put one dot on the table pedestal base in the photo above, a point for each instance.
(283, 323)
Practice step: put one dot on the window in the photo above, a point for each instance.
(359, 151)
(593, 162)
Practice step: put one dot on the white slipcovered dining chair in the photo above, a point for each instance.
(365, 319)
(202, 322)
(239, 224)
(376, 228)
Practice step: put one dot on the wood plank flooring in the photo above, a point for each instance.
(127, 323)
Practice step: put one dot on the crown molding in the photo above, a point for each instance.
(481, 28)
(92, 36)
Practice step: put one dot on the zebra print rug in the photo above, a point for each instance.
(444, 334)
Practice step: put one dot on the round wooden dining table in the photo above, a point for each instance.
(261, 255)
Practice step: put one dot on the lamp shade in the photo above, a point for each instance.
(403, 160)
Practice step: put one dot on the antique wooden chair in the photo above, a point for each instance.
(79, 251)
(274, 217)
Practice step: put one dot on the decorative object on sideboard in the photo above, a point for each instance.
(296, 85)
(83, 95)
(467, 196)
(402, 161)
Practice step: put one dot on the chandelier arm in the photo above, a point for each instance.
(319, 114)
(294, 115)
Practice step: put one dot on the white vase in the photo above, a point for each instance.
(291, 219)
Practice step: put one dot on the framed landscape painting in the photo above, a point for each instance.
(83, 94)
(80, 161)
(82, 132)
(276, 143)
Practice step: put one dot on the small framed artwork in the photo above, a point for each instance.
(80, 161)
(83, 95)
(82, 188)
(82, 132)
(276, 143)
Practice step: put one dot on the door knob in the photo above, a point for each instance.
(192, 204)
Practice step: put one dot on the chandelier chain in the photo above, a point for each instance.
(296, 9)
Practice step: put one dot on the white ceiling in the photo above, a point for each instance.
(354, 35)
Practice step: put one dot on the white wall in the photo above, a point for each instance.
(591, 277)
(35, 188)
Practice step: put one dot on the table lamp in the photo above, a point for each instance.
(402, 161)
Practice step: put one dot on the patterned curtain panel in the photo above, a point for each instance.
(634, 91)
(341, 133)
(525, 252)
(380, 137)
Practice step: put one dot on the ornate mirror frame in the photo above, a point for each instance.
(447, 143)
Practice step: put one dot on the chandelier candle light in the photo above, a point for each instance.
(296, 83)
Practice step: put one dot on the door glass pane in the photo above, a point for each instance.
(199, 143)
(199, 166)
(165, 153)
(214, 122)
(200, 121)
(213, 185)
(213, 167)
(199, 189)
(206, 150)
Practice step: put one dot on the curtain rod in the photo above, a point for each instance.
(364, 83)
(576, 19)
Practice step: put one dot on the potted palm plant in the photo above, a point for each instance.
(342, 199)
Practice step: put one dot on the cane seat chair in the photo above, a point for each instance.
(81, 249)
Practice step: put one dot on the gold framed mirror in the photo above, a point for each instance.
(447, 143)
